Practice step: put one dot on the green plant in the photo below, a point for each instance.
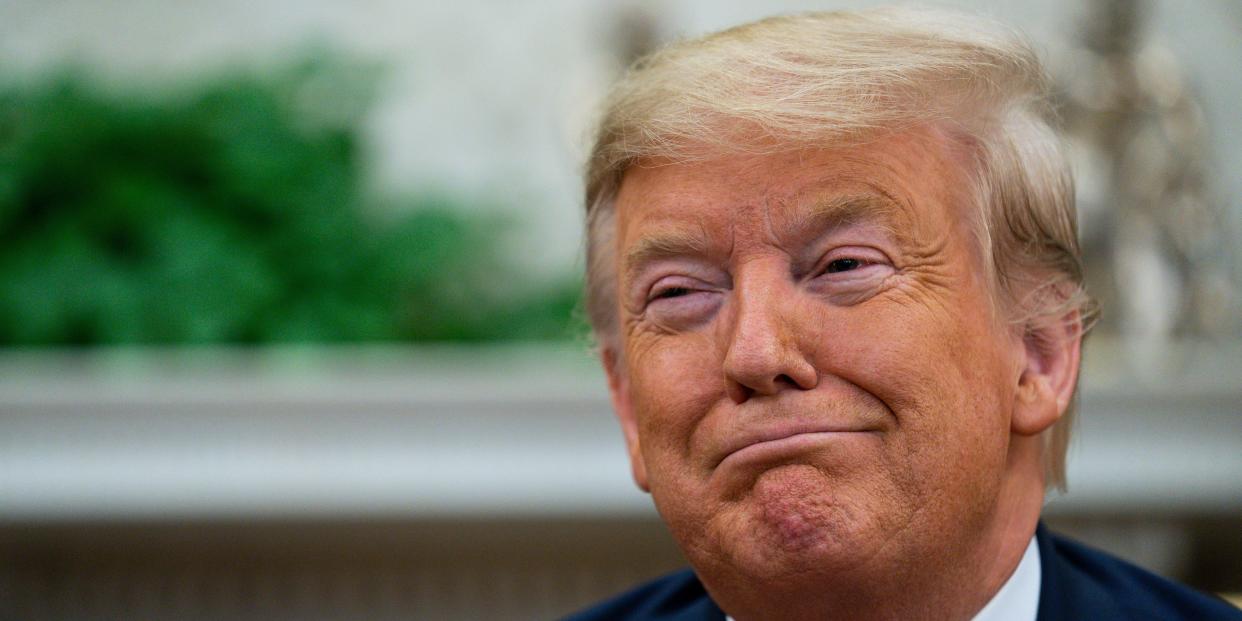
(234, 211)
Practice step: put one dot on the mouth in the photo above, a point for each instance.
(773, 444)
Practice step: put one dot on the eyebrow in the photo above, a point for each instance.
(659, 246)
(837, 211)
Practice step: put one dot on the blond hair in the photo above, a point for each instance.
(827, 79)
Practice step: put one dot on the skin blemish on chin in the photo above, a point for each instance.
(795, 516)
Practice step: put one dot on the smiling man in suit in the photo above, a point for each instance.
(835, 280)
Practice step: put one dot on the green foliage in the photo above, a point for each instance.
(234, 212)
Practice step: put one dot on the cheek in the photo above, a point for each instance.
(950, 435)
(675, 381)
(938, 376)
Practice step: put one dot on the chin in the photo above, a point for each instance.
(792, 523)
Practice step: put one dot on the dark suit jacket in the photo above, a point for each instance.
(1077, 583)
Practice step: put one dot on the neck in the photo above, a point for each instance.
(953, 581)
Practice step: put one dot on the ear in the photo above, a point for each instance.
(619, 391)
(1051, 352)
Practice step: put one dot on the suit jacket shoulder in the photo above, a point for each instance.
(1079, 582)
(678, 596)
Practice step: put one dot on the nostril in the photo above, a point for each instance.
(795, 380)
(739, 393)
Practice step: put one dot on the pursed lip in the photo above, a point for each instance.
(780, 438)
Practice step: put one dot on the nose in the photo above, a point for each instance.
(764, 355)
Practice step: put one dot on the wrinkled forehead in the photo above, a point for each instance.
(901, 182)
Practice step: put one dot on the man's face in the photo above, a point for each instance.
(810, 372)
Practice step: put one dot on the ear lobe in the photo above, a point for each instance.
(619, 392)
(1052, 352)
(1037, 408)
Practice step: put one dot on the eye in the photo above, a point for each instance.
(681, 303)
(671, 292)
(843, 265)
(851, 274)
(852, 262)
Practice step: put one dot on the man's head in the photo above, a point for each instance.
(842, 78)
(834, 274)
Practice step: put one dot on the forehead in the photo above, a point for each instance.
(909, 182)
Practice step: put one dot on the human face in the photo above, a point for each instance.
(810, 371)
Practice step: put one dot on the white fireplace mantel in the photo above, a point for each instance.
(512, 431)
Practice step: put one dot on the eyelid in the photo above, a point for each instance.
(868, 255)
(665, 283)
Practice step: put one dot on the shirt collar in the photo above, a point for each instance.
(1018, 598)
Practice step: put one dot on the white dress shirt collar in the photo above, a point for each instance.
(1018, 598)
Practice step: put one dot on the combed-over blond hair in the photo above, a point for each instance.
(827, 79)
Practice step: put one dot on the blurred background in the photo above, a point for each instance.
(289, 310)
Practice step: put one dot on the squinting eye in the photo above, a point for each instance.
(681, 303)
(843, 265)
(672, 292)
